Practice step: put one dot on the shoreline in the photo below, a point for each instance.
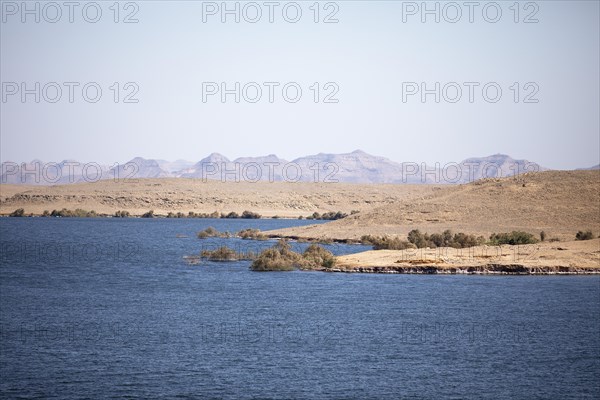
(513, 270)
(578, 257)
(575, 257)
(155, 216)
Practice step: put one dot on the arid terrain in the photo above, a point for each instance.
(557, 202)
(560, 203)
(574, 257)
(284, 199)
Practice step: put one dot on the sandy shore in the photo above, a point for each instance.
(576, 257)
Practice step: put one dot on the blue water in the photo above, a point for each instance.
(109, 308)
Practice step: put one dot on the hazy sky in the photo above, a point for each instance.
(376, 57)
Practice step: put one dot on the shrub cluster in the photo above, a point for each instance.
(19, 212)
(318, 256)
(581, 235)
(445, 239)
(232, 214)
(64, 213)
(280, 257)
(173, 215)
(216, 214)
(417, 239)
(122, 214)
(513, 238)
(224, 253)
(192, 214)
(386, 242)
(328, 215)
(251, 215)
(149, 214)
(277, 258)
(253, 234)
(212, 232)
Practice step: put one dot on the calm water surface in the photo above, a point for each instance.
(108, 308)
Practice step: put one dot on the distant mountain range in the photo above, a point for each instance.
(355, 167)
(590, 168)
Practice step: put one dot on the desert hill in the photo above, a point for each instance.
(284, 199)
(557, 202)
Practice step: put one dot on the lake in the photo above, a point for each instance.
(109, 308)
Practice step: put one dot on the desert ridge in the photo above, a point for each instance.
(560, 203)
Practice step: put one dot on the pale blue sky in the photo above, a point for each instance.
(368, 54)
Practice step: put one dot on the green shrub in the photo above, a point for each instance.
(280, 257)
(79, 213)
(317, 256)
(386, 243)
(149, 214)
(446, 239)
(19, 212)
(251, 215)
(587, 235)
(85, 214)
(462, 240)
(208, 232)
(122, 214)
(224, 253)
(417, 239)
(272, 260)
(542, 236)
(330, 216)
(192, 214)
(212, 232)
(232, 214)
(175, 215)
(512, 238)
